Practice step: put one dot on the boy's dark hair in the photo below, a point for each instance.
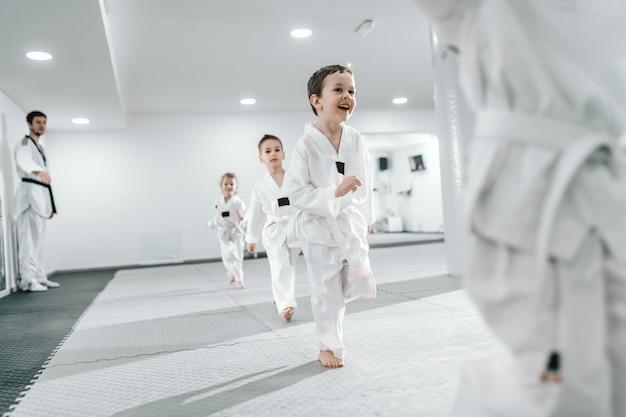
(317, 79)
(36, 113)
(267, 137)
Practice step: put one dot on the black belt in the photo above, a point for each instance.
(54, 209)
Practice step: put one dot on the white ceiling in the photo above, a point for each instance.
(113, 57)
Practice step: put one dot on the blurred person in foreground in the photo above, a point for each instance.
(545, 203)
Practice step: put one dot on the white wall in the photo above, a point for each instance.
(142, 195)
(12, 128)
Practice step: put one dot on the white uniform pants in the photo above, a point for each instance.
(282, 262)
(586, 314)
(31, 237)
(231, 248)
(327, 268)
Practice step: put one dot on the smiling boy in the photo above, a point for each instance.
(329, 183)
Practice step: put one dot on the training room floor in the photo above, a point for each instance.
(179, 341)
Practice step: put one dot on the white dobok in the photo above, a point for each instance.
(34, 205)
(546, 201)
(269, 216)
(230, 233)
(332, 231)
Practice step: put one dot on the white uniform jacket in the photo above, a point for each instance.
(535, 71)
(226, 218)
(315, 171)
(313, 177)
(269, 204)
(28, 158)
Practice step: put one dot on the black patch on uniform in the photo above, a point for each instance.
(284, 201)
(341, 167)
(226, 214)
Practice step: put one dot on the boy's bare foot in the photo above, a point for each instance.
(232, 280)
(288, 313)
(240, 285)
(329, 360)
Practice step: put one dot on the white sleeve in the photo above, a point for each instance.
(212, 222)
(303, 195)
(256, 217)
(24, 159)
(241, 209)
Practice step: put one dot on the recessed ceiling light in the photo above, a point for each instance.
(247, 101)
(80, 121)
(39, 56)
(301, 33)
(400, 100)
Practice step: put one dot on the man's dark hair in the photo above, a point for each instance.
(30, 116)
(267, 137)
(317, 79)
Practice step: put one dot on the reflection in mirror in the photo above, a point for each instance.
(407, 185)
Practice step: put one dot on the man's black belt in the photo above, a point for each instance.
(54, 209)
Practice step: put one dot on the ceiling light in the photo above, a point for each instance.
(247, 101)
(364, 28)
(80, 121)
(39, 56)
(400, 100)
(301, 33)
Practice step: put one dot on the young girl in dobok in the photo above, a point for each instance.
(229, 222)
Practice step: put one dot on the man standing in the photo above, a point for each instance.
(34, 205)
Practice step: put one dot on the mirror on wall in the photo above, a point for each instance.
(407, 183)
(3, 274)
(5, 184)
